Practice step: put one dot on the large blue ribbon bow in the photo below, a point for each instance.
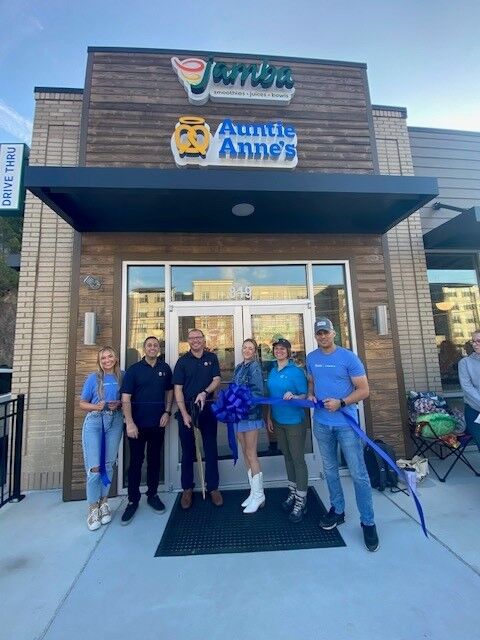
(233, 404)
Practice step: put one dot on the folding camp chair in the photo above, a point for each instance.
(435, 446)
(442, 450)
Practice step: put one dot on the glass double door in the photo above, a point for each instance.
(225, 328)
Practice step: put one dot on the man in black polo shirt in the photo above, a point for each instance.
(147, 396)
(195, 377)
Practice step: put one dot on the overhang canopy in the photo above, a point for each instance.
(132, 199)
(460, 232)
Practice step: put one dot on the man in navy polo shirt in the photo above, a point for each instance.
(195, 377)
(147, 396)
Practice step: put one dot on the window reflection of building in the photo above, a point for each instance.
(331, 301)
(219, 338)
(220, 290)
(145, 317)
(455, 315)
(455, 301)
(146, 311)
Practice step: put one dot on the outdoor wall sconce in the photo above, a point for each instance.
(90, 328)
(92, 283)
(441, 205)
(380, 320)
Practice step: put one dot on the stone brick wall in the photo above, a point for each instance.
(407, 260)
(43, 310)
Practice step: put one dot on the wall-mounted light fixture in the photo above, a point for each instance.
(441, 205)
(92, 282)
(380, 320)
(444, 305)
(90, 328)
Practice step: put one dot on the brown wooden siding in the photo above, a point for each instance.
(102, 254)
(133, 101)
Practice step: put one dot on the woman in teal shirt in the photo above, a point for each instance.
(100, 398)
(288, 381)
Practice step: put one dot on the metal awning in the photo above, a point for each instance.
(131, 199)
(460, 232)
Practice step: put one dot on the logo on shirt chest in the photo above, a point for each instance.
(206, 364)
(161, 373)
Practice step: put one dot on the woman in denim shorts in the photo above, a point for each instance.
(104, 421)
(249, 373)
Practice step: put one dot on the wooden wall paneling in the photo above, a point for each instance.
(135, 99)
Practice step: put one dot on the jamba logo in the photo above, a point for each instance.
(262, 83)
(190, 72)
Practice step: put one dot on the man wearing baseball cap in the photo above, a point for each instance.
(336, 376)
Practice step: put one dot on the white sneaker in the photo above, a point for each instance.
(93, 520)
(105, 513)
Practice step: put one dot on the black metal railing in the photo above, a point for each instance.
(11, 435)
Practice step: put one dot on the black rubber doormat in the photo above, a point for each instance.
(205, 529)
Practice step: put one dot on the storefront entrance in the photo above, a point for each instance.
(229, 303)
(225, 327)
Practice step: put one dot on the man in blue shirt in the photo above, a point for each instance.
(147, 397)
(195, 377)
(336, 376)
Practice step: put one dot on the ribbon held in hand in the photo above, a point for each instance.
(234, 403)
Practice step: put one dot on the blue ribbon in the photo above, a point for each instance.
(103, 466)
(234, 403)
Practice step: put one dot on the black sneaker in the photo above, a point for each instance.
(299, 509)
(129, 512)
(370, 537)
(287, 505)
(156, 504)
(331, 519)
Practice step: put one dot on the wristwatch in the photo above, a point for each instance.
(205, 391)
(169, 413)
(342, 404)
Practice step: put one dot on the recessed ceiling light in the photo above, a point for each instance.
(243, 209)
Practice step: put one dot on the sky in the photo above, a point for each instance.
(420, 54)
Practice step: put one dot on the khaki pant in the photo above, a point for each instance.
(291, 440)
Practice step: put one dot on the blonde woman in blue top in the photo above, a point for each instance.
(101, 399)
(249, 373)
(287, 381)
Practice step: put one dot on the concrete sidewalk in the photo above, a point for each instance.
(59, 581)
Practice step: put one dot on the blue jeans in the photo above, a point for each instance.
(328, 437)
(473, 428)
(91, 442)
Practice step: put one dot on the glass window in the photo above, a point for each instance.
(145, 305)
(330, 295)
(265, 327)
(218, 332)
(453, 281)
(262, 282)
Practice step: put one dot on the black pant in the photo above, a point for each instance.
(152, 437)
(207, 423)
